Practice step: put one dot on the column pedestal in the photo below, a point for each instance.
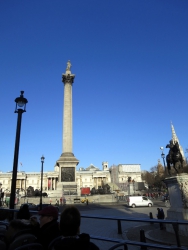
(131, 190)
(67, 174)
(178, 192)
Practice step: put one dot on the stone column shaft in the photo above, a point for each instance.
(67, 118)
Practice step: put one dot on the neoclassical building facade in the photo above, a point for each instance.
(88, 177)
(91, 177)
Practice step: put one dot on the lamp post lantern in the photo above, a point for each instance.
(163, 157)
(42, 162)
(20, 108)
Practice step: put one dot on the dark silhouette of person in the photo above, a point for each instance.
(17, 227)
(23, 213)
(160, 216)
(70, 228)
(48, 229)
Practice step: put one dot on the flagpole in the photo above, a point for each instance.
(20, 166)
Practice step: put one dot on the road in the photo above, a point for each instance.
(108, 228)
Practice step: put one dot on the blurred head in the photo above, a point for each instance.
(70, 221)
(16, 226)
(23, 213)
(47, 215)
(25, 207)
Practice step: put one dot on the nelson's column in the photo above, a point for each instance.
(67, 162)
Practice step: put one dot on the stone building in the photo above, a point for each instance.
(91, 177)
(121, 173)
(88, 177)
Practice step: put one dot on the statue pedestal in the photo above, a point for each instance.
(67, 184)
(131, 189)
(178, 192)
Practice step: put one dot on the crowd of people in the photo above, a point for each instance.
(63, 234)
(156, 195)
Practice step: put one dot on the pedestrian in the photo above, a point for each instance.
(160, 216)
(61, 200)
(56, 202)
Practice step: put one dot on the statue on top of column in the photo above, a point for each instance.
(68, 66)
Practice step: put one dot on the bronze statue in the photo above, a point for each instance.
(174, 156)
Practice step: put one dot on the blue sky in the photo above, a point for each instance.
(130, 58)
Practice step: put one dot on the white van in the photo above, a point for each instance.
(138, 201)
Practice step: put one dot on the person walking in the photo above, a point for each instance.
(160, 216)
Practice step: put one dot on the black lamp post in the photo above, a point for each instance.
(134, 186)
(20, 108)
(163, 157)
(42, 162)
(0, 193)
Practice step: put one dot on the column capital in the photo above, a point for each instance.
(68, 78)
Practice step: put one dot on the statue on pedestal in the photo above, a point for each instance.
(174, 156)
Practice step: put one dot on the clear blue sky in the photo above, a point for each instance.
(130, 58)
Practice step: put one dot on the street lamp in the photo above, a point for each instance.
(0, 193)
(134, 186)
(42, 161)
(163, 157)
(20, 108)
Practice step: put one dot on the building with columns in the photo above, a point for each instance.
(121, 173)
(84, 177)
(91, 177)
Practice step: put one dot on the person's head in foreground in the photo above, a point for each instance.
(47, 215)
(70, 221)
(15, 227)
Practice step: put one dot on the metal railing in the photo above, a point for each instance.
(175, 224)
(134, 243)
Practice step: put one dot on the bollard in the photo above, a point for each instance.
(176, 229)
(119, 227)
(142, 239)
(151, 217)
